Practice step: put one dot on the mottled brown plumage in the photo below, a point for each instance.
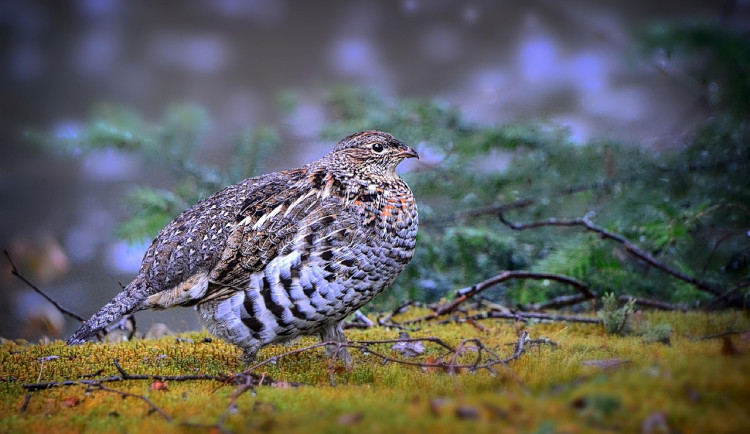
(283, 254)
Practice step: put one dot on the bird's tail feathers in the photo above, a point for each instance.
(128, 301)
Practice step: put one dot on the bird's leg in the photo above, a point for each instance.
(335, 333)
(248, 356)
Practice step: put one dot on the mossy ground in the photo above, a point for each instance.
(687, 386)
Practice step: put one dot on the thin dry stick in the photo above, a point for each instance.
(649, 302)
(244, 387)
(273, 360)
(522, 316)
(432, 339)
(721, 335)
(725, 295)
(124, 376)
(14, 271)
(557, 302)
(154, 407)
(520, 348)
(365, 348)
(332, 365)
(25, 405)
(569, 300)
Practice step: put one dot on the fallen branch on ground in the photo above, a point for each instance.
(465, 294)
(124, 376)
(521, 316)
(720, 335)
(154, 407)
(570, 300)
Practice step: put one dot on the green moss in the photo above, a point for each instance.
(696, 384)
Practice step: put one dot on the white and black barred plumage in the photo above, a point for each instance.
(284, 254)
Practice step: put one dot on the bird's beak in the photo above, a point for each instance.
(407, 152)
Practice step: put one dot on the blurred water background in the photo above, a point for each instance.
(572, 63)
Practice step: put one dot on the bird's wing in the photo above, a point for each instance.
(304, 220)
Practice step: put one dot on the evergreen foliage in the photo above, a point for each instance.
(690, 208)
(617, 320)
(661, 333)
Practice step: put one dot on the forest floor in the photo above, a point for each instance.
(586, 381)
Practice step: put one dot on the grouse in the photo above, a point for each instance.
(284, 254)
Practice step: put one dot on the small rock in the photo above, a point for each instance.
(438, 405)
(467, 412)
(656, 423)
(158, 330)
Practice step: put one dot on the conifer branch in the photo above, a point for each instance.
(630, 247)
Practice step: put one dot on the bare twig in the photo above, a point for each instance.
(522, 316)
(26, 401)
(469, 292)
(154, 407)
(365, 347)
(557, 302)
(728, 293)
(124, 376)
(629, 246)
(388, 321)
(526, 202)
(650, 302)
(570, 300)
(246, 382)
(14, 271)
(720, 335)
(432, 339)
(273, 360)
(477, 212)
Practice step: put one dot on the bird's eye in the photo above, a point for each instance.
(377, 147)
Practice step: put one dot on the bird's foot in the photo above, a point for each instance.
(342, 354)
(248, 357)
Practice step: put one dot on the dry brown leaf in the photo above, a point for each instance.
(430, 369)
(71, 401)
(158, 385)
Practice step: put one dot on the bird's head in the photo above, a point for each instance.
(374, 151)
